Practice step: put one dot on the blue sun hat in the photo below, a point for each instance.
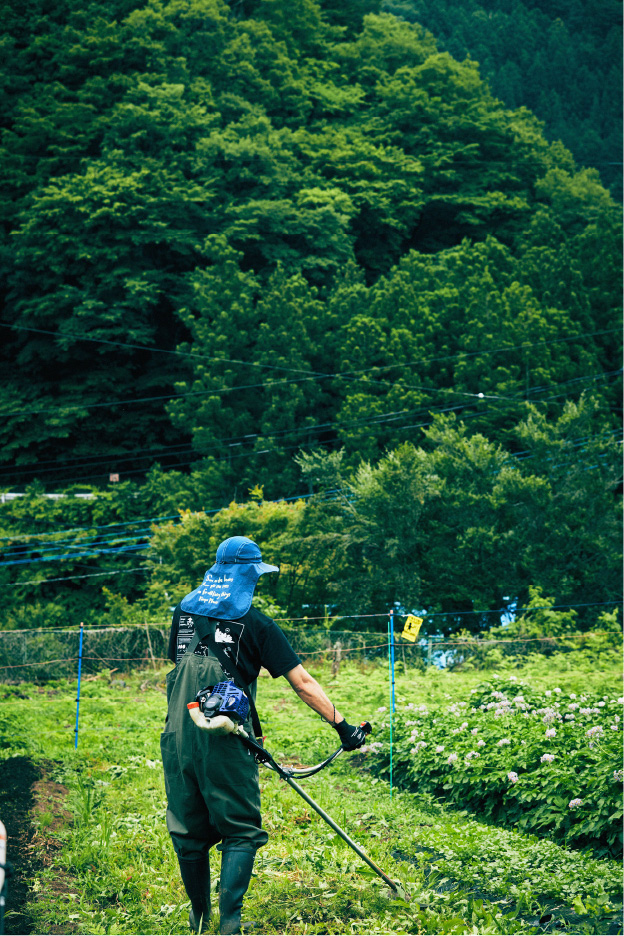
(227, 590)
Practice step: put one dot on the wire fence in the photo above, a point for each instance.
(43, 654)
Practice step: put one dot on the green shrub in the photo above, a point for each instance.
(542, 761)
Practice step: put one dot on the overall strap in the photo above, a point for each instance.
(196, 639)
(195, 642)
(229, 664)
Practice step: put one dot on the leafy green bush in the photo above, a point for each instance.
(542, 761)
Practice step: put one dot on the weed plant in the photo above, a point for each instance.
(111, 869)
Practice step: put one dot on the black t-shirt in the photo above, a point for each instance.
(251, 642)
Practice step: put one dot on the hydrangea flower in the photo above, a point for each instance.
(451, 758)
(439, 749)
(512, 776)
(573, 695)
(575, 803)
(382, 708)
(474, 731)
(375, 747)
(548, 758)
(481, 743)
(595, 731)
(569, 717)
(472, 754)
(503, 741)
(618, 775)
(551, 732)
(548, 692)
(557, 689)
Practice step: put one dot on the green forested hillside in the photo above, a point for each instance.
(238, 233)
(561, 60)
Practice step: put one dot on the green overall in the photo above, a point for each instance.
(213, 794)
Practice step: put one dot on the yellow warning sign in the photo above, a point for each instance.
(412, 627)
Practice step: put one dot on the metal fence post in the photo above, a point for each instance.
(78, 693)
(429, 642)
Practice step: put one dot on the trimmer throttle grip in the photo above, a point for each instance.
(366, 727)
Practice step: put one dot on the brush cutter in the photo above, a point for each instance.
(222, 709)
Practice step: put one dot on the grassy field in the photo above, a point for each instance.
(97, 858)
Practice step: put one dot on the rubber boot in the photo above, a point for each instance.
(236, 867)
(196, 879)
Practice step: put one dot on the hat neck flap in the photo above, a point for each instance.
(226, 592)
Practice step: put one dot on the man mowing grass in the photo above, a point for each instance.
(213, 794)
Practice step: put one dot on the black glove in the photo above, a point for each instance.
(352, 736)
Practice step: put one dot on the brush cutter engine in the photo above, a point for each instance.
(223, 699)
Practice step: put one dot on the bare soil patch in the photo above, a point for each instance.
(33, 810)
(18, 776)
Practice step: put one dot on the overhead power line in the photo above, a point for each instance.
(351, 376)
(499, 402)
(95, 526)
(71, 578)
(138, 347)
(81, 555)
(308, 374)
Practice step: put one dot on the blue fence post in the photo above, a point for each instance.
(391, 683)
(392, 658)
(78, 693)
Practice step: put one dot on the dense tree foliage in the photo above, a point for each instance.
(561, 60)
(236, 233)
(458, 527)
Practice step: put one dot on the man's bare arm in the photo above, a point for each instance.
(312, 694)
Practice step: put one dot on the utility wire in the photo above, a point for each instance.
(95, 552)
(71, 578)
(138, 347)
(281, 449)
(352, 377)
(310, 375)
(144, 520)
(95, 526)
(374, 418)
(21, 550)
